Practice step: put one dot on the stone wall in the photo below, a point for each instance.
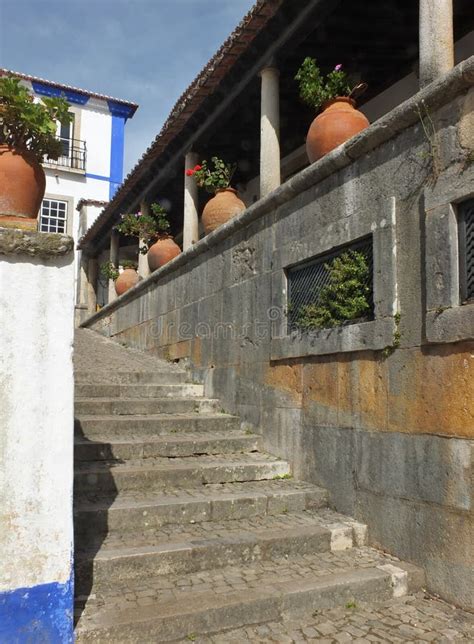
(36, 436)
(380, 413)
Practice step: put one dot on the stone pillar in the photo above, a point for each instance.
(270, 175)
(114, 255)
(191, 201)
(143, 268)
(92, 272)
(81, 289)
(436, 39)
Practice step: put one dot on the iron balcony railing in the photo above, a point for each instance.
(74, 154)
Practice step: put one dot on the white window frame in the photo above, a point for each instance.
(69, 213)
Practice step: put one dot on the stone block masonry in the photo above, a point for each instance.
(36, 436)
(380, 413)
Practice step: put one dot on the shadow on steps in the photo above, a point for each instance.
(90, 532)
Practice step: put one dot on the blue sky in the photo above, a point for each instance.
(147, 51)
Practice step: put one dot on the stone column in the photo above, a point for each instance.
(143, 268)
(436, 39)
(191, 201)
(270, 176)
(114, 255)
(92, 271)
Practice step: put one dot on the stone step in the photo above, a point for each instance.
(171, 445)
(194, 547)
(109, 427)
(183, 390)
(164, 376)
(166, 608)
(144, 406)
(159, 473)
(127, 512)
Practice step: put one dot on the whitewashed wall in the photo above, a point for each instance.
(36, 437)
(96, 130)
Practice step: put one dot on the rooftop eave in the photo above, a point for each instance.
(186, 106)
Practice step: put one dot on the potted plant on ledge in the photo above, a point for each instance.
(225, 204)
(128, 278)
(339, 120)
(152, 228)
(123, 280)
(27, 135)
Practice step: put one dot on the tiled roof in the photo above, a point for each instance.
(5, 72)
(192, 98)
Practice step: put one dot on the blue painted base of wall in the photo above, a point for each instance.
(40, 614)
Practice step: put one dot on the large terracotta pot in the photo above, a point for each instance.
(338, 122)
(126, 280)
(162, 252)
(22, 186)
(225, 205)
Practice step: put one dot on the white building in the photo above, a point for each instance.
(84, 179)
(91, 168)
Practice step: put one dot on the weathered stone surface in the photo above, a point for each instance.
(317, 399)
(34, 244)
(418, 617)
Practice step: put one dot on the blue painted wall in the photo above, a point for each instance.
(120, 114)
(116, 154)
(42, 614)
(48, 90)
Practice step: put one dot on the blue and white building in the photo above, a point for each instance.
(91, 167)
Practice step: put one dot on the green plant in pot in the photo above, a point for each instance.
(123, 280)
(225, 204)
(152, 228)
(333, 95)
(27, 136)
(109, 271)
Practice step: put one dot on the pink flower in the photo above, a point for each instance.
(338, 68)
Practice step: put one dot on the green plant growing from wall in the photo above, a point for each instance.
(397, 336)
(344, 298)
(431, 135)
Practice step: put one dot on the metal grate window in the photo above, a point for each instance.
(305, 281)
(466, 249)
(53, 216)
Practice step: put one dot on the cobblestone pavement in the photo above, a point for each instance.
(225, 529)
(415, 618)
(129, 594)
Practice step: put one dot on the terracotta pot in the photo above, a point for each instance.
(338, 122)
(22, 185)
(126, 280)
(225, 205)
(162, 252)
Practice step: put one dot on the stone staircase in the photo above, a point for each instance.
(183, 526)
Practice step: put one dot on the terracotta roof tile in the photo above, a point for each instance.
(191, 99)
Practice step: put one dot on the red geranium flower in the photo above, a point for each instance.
(197, 168)
(189, 173)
